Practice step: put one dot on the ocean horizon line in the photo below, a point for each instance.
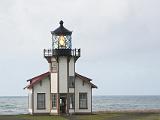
(93, 95)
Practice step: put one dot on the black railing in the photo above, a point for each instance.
(47, 52)
(61, 52)
(76, 52)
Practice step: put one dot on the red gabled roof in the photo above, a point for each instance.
(83, 77)
(88, 80)
(38, 78)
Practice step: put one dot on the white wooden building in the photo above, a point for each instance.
(60, 90)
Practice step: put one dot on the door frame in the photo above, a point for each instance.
(63, 105)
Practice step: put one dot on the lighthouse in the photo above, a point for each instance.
(62, 59)
(60, 90)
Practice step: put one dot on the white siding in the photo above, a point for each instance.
(85, 89)
(71, 71)
(71, 111)
(43, 88)
(71, 67)
(63, 74)
(30, 101)
(54, 112)
(71, 90)
(53, 82)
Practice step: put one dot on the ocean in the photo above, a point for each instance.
(18, 105)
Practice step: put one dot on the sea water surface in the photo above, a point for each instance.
(13, 105)
(18, 104)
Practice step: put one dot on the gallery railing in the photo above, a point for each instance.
(62, 52)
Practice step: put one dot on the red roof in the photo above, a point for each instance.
(38, 78)
(83, 77)
(86, 79)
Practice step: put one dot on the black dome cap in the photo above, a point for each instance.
(61, 30)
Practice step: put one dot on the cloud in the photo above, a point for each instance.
(117, 37)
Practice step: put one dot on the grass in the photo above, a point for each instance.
(30, 117)
(121, 116)
(98, 116)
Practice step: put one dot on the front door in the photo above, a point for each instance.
(62, 104)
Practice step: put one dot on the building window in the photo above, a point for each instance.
(83, 83)
(71, 101)
(83, 101)
(40, 100)
(71, 82)
(40, 83)
(54, 101)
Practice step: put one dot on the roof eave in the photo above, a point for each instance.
(93, 85)
(83, 77)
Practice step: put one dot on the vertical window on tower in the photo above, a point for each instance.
(54, 101)
(71, 82)
(71, 101)
(40, 100)
(54, 67)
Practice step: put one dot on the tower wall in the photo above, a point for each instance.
(54, 82)
(63, 68)
(72, 72)
(59, 74)
(71, 67)
(54, 75)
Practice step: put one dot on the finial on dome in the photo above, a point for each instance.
(61, 23)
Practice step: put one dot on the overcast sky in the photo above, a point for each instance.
(119, 41)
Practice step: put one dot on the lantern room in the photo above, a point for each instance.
(61, 38)
(61, 44)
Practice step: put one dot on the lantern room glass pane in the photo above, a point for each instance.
(69, 39)
(61, 42)
(54, 42)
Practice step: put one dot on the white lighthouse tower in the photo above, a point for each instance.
(62, 59)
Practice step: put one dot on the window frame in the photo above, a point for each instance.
(44, 102)
(73, 102)
(54, 67)
(71, 82)
(55, 102)
(84, 93)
